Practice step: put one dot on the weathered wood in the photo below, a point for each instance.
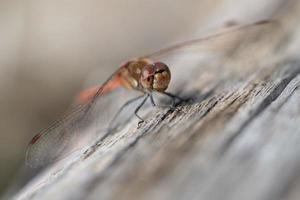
(238, 139)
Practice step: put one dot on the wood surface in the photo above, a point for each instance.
(238, 138)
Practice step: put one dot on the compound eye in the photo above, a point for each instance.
(147, 76)
(148, 71)
(162, 77)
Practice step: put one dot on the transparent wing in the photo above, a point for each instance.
(78, 127)
(47, 145)
(232, 47)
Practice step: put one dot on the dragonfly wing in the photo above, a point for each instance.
(49, 144)
(83, 124)
(205, 55)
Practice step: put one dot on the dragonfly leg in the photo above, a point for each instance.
(122, 108)
(152, 100)
(173, 96)
(138, 108)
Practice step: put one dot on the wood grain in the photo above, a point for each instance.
(238, 139)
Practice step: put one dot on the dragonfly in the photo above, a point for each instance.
(142, 77)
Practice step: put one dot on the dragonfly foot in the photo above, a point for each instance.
(140, 123)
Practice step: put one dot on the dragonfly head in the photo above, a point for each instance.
(155, 76)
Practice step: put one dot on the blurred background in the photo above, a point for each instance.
(52, 49)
